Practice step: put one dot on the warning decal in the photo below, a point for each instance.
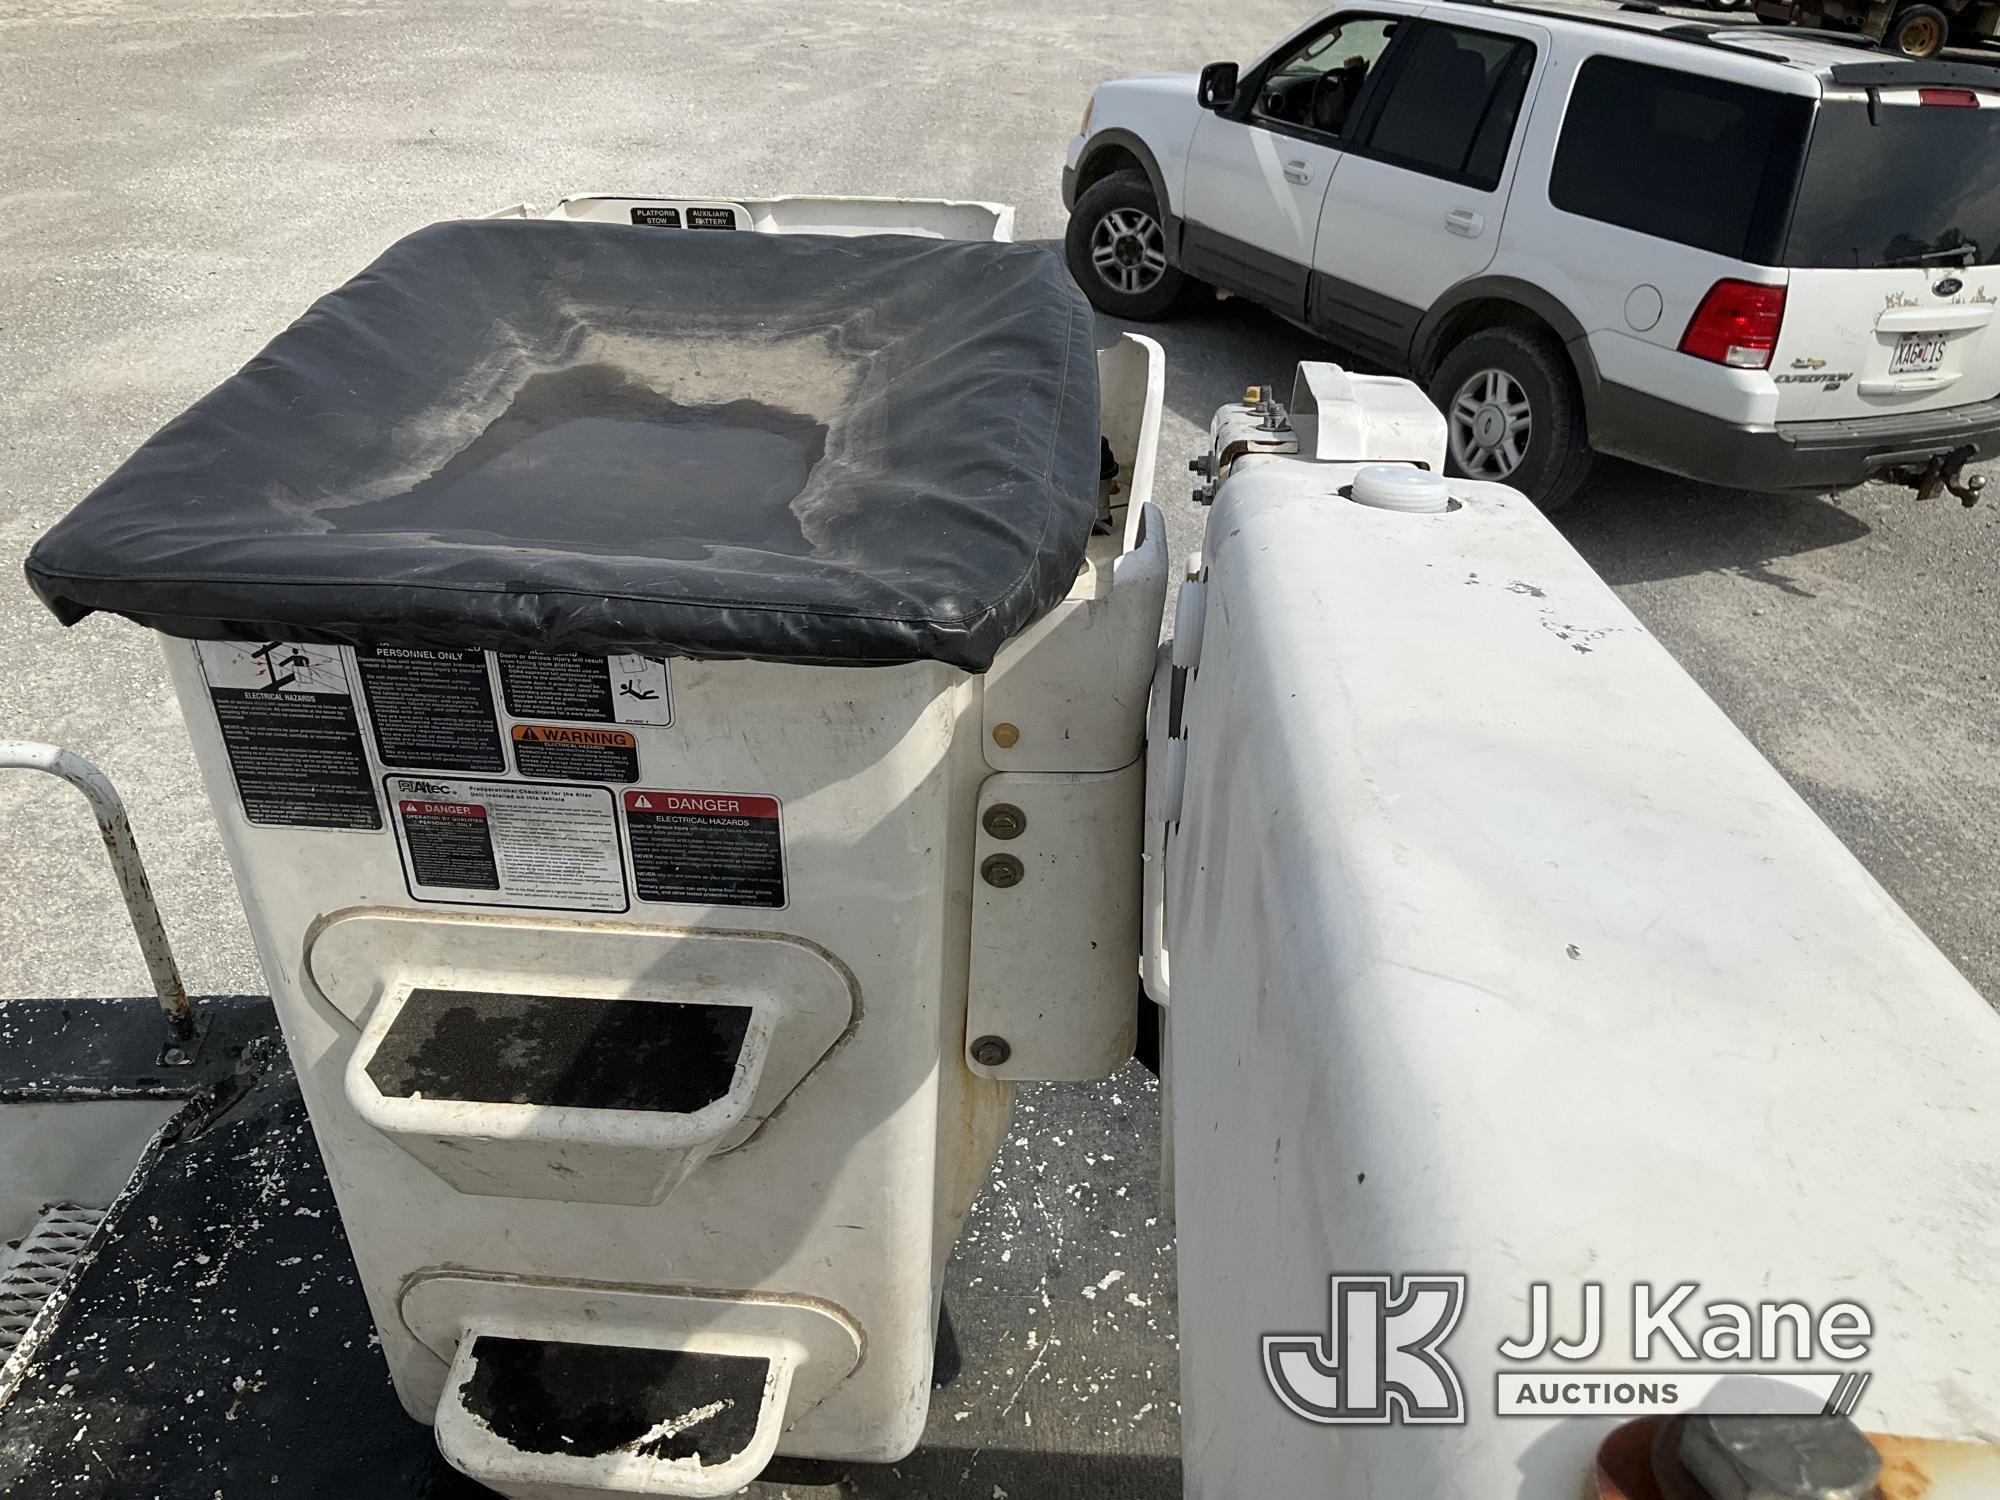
(567, 753)
(624, 689)
(509, 843)
(706, 848)
(450, 846)
(288, 726)
(431, 708)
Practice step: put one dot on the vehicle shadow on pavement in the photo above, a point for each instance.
(1637, 525)
(1217, 346)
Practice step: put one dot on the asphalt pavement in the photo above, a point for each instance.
(182, 178)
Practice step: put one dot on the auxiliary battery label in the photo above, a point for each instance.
(659, 218)
(288, 726)
(706, 848)
(599, 690)
(508, 843)
(431, 708)
(565, 752)
(711, 218)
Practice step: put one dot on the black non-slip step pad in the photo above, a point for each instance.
(586, 1400)
(560, 1050)
(220, 1343)
(56, 1050)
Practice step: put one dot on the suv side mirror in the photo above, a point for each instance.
(1218, 86)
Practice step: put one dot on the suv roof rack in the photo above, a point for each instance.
(1712, 34)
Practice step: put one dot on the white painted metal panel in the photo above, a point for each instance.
(1055, 944)
(1497, 950)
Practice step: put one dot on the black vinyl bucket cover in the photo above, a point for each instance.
(531, 435)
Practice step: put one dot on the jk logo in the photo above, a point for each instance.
(1379, 1360)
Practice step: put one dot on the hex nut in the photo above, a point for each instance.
(1002, 870)
(1779, 1458)
(991, 1051)
(1005, 821)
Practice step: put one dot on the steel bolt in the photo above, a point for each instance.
(991, 1051)
(1005, 821)
(1002, 870)
(1779, 1458)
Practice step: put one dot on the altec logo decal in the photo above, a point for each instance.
(1380, 1360)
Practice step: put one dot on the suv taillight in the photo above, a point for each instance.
(1736, 325)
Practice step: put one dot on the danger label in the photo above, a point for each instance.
(289, 729)
(509, 843)
(450, 847)
(624, 689)
(431, 708)
(565, 752)
(706, 848)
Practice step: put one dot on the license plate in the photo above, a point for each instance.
(1916, 353)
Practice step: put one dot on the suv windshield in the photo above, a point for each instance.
(1916, 185)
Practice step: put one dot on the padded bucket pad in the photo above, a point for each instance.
(538, 436)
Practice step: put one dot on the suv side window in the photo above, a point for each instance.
(1696, 160)
(1315, 86)
(1452, 104)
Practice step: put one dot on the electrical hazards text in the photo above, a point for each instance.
(288, 726)
(706, 848)
(567, 752)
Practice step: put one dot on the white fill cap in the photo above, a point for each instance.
(1402, 487)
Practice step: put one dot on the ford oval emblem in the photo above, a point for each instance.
(1949, 287)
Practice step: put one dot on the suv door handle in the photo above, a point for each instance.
(1298, 172)
(1466, 222)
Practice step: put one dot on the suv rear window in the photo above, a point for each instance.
(1915, 185)
(1699, 161)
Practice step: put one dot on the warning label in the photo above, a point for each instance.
(624, 689)
(289, 728)
(706, 848)
(450, 846)
(509, 843)
(566, 753)
(431, 708)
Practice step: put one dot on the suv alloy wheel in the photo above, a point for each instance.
(1116, 247)
(1514, 413)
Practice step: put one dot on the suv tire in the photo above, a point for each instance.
(1514, 413)
(1116, 246)
(1918, 31)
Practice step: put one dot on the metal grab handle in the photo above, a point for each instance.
(116, 828)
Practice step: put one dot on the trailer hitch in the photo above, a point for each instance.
(1945, 471)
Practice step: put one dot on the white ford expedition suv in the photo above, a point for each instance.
(1759, 257)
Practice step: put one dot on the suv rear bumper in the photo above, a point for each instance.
(1628, 423)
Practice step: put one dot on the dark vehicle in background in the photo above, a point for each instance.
(1915, 28)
